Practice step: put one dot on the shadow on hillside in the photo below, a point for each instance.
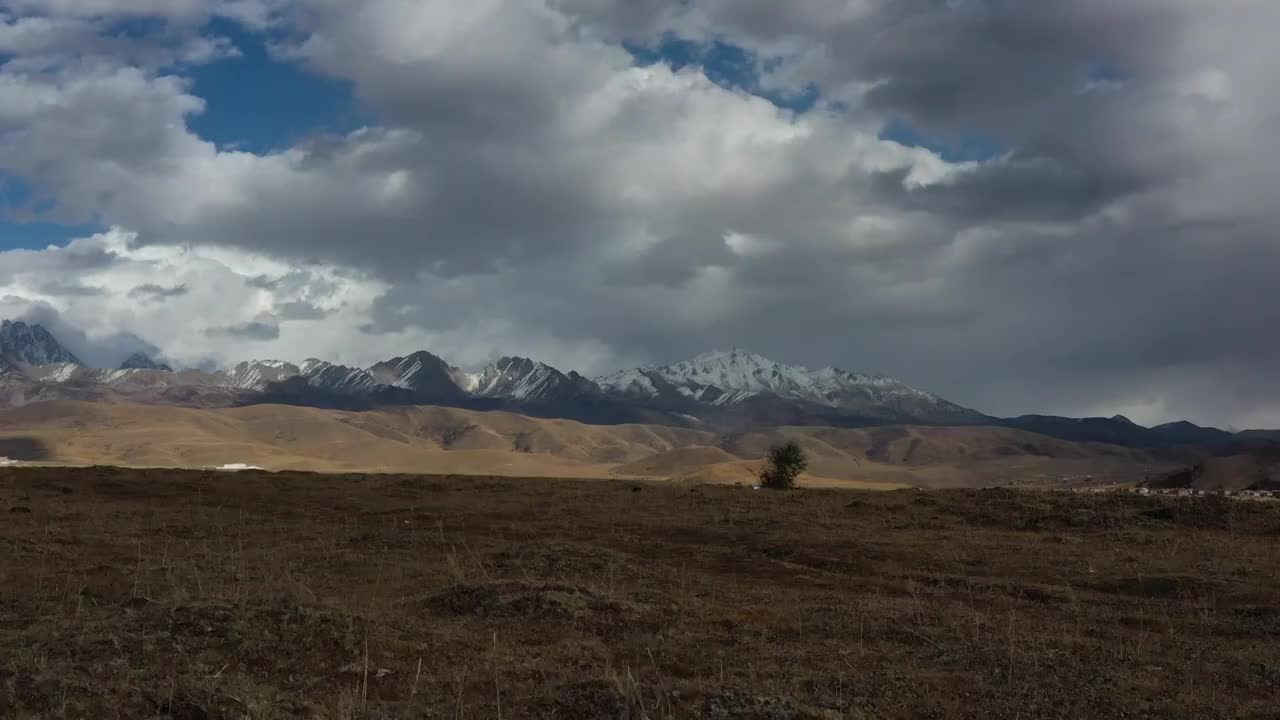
(25, 449)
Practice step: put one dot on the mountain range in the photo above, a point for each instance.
(725, 391)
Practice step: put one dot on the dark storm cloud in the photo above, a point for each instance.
(1013, 188)
(672, 262)
(1064, 274)
(505, 208)
(1118, 249)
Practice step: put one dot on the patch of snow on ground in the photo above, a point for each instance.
(236, 467)
(6, 462)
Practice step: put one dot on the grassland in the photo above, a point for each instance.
(133, 594)
(450, 440)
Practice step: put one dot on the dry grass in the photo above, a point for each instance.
(137, 594)
(450, 440)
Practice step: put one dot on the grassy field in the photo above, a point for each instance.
(466, 442)
(191, 595)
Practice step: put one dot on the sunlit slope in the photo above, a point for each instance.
(449, 440)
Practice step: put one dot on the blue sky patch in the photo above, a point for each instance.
(724, 64)
(254, 102)
(259, 103)
(964, 146)
(40, 235)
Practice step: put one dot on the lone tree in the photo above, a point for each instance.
(782, 466)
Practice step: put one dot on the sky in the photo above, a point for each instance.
(1065, 206)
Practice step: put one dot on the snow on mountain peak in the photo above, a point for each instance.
(524, 379)
(258, 374)
(734, 376)
(717, 379)
(720, 378)
(422, 374)
(635, 381)
(336, 378)
(731, 357)
(740, 371)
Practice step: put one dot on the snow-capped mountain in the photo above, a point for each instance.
(421, 374)
(725, 390)
(729, 387)
(31, 345)
(124, 378)
(716, 378)
(63, 373)
(527, 380)
(258, 374)
(142, 361)
(726, 379)
(337, 378)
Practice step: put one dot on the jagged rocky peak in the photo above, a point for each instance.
(733, 377)
(729, 358)
(421, 373)
(143, 361)
(336, 378)
(524, 379)
(32, 345)
(745, 371)
(741, 370)
(258, 374)
(719, 377)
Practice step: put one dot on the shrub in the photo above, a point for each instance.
(782, 466)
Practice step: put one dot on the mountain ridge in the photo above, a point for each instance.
(729, 378)
(31, 345)
(143, 361)
(732, 390)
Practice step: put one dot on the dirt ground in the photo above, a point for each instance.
(141, 594)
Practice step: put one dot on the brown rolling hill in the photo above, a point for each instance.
(1253, 469)
(455, 441)
(679, 460)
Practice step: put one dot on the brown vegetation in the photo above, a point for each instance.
(1255, 469)
(449, 440)
(131, 594)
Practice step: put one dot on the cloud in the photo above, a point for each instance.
(299, 310)
(65, 288)
(43, 41)
(212, 324)
(527, 188)
(252, 330)
(151, 292)
(104, 349)
(181, 13)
